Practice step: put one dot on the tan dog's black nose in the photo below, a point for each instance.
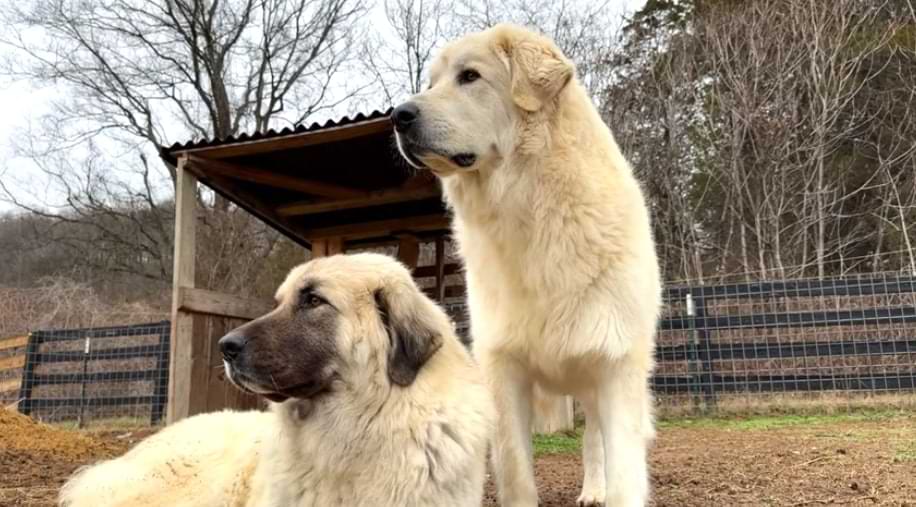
(231, 345)
(404, 116)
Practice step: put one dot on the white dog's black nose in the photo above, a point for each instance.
(231, 345)
(404, 116)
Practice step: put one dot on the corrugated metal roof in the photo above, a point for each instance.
(271, 134)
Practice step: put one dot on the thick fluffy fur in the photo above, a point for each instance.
(363, 442)
(562, 277)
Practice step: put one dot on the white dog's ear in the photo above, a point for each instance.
(413, 335)
(539, 70)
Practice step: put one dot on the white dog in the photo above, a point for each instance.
(562, 276)
(376, 403)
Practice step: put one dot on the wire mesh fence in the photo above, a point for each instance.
(85, 375)
(822, 344)
(793, 345)
(784, 345)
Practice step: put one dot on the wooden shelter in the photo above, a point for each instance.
(329, 188)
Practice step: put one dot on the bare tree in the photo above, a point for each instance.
(398, 54)
(838, 68)
(144, 67)
(774, 135)
(585, 31)
(138, 74)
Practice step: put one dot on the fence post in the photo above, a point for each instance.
(692, 379)
(161, 385)
(87, 349)
(704, 362)
(28, 373)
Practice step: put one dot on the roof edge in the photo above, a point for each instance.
(260, 142)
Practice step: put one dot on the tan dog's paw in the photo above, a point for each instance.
(591, 499)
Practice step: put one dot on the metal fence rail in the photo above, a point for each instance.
(94, 373)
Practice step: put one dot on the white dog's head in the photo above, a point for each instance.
(340, 321)
(482, 88)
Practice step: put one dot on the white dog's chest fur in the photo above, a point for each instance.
(560, 274)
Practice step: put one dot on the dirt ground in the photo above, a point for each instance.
(783, 461)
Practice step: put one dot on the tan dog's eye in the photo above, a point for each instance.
(314, 301)
(468, 76)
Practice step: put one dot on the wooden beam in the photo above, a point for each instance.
(209, 302)
(440, 269)
(326, 135)
(12, 362)
(453, 291)
(552, 413)
(14, 342)
(271, 179)
(327, 246)
(10, 385)
(187, 365)
(381, 227)
(389, 196)
(319, 248)
(230, 189)
(409, 251)
(447, 269)
(335, 245)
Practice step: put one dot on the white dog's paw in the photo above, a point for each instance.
(591, 499)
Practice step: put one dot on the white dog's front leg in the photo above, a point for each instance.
(626, 425)
(592, 456)
(513, 461)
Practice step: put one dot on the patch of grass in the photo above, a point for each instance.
(569, 442)
(107, 424)
(906, 452)
(778, 421)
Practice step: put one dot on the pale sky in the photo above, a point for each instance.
(22, 104)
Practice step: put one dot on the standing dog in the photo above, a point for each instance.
(375, 403)
(562, 277)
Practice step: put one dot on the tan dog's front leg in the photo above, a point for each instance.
(593, 490)
(623, 410)
(513, 461)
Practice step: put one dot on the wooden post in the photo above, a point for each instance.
(409, 251)
(187, 364)
(440, 269)
(327, 246)
(552, 413)
(28, 373)
(161, 389)
(319, 248)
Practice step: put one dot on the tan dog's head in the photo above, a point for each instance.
(482, 87)
(340, 321)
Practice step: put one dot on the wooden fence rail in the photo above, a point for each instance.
(12, 361)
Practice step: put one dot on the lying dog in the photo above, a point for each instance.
(375, 402)
(562, 277)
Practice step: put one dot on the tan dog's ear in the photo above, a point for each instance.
(539, 70)
(414, 338)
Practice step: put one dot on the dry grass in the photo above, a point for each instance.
(60, 303)
(821, 403)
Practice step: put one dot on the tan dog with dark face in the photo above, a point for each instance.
(375, 403)
(562, 277)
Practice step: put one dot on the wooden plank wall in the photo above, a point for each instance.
(11, 361)
(200, 318)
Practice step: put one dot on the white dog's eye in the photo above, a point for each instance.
(468, 76)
